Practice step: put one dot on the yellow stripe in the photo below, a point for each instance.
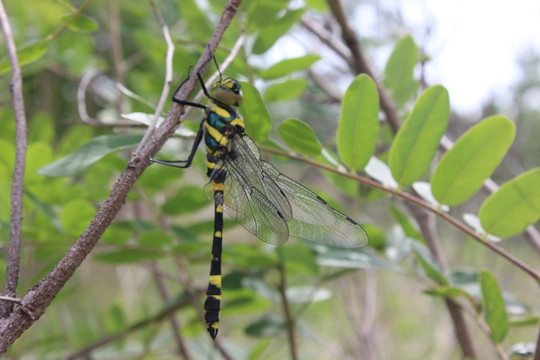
(216, 281)
(238, 121)
(214, 325)
(213, 165)
(218, 234)
(221, 111)
(218, 186)
(219, 209)
(215, 134)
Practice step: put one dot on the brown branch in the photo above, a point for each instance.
(289, 319)
(417, 202)
(41, 295)
(17, 187)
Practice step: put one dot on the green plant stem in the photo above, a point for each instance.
(416, 202)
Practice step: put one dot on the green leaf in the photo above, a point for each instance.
(26, 55)
(81, 23)
(127, 256)
(154, 239)
(299, 259)
(89, 153)
(514, 207)
(398, 75)
(299, 137)
(277, 28)
(287, 66)
(494, 308)
(285, 91)
(262, 13)
(76, 216)
(256, 117)
(187, 200)
(417, 141)
(266, 328)
(408, 228)
(359, 123)
(432, 269)
(464, 168)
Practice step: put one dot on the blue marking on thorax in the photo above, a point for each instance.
(218, 122)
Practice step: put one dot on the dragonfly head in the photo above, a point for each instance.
(227, 91)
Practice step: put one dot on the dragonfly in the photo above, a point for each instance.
(267, 203)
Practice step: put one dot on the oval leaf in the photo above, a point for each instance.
(26, 55)
(257, 119)
(287, 66)
(271, 33)
(417, 141)
(464, 168)
(286, 91)
(81, 23)
(299, 137)
(494, 307)
(398, 74)
(359, 123)
(514, 207)
(89, 153)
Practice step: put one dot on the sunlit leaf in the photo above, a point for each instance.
(417, 141)
(256, 117)
(398, 74)
(285, 91)
(287, 66)
(473, 158)
(359, 123)
(299, 137)
(514, 207)
(307, 294)
(270, 34)
(88, 154)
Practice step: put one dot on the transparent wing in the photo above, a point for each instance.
(251, 197)
(312, 218)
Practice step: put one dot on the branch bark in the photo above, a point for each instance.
(41, 295)
(17, 187)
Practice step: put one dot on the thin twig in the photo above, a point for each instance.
(41, 295)
(168, 77)
(537, 351)
(17, 187)
(117, 51)
(417, 202)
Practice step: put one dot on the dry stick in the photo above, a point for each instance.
(40, 296)
(17, 187)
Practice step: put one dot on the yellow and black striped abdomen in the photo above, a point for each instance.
(220, 125)
(212, 304)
